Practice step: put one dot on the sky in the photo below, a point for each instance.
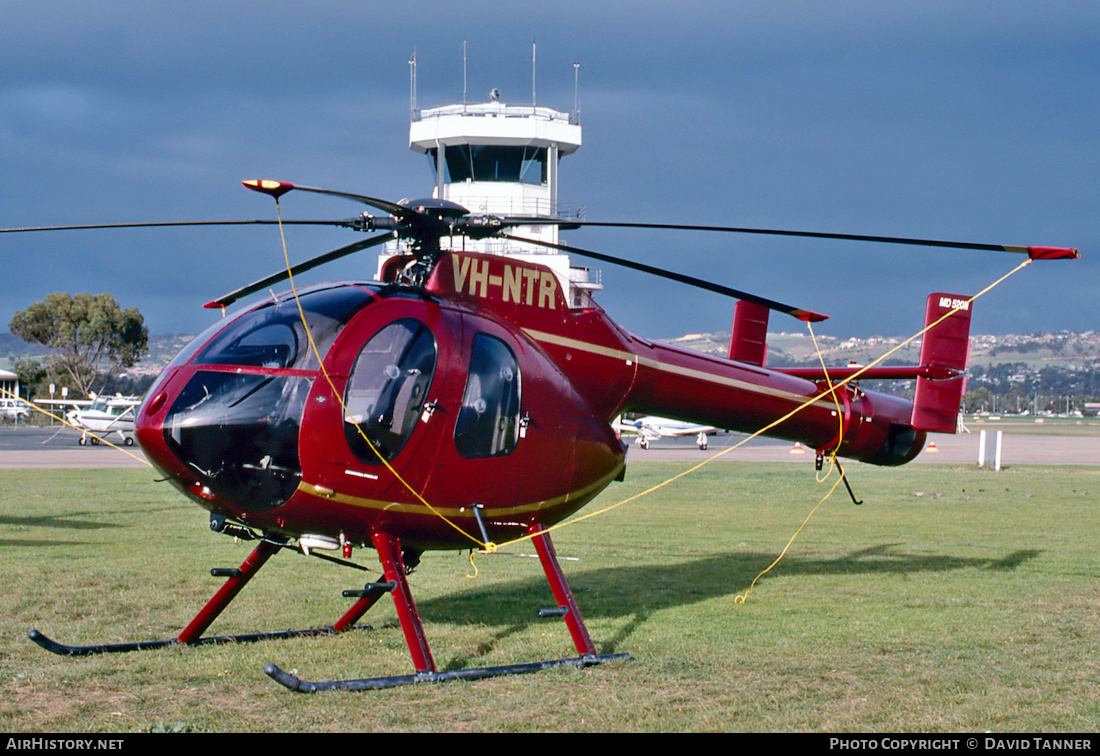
(944, 119)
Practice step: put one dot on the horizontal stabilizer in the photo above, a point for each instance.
(946, 344)
(889, 372)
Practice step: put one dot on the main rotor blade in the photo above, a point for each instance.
(1035, 253)
(350, 223)
(279, 188)
(804, 315)
(336, 254)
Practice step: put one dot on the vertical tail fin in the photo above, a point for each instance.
(749, 336)
(947, 345)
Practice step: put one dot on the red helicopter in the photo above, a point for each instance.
(463, 400)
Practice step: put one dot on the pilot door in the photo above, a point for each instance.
(388, 372)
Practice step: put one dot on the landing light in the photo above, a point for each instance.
(312, 541)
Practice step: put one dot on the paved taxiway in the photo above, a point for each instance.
(31, 448)
(961, 449)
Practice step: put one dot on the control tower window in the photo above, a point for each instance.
(479, 162)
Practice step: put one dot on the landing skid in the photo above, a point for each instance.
(392, 558)
(393, 563)
(62, 649)
(192, 634)
(378, 683)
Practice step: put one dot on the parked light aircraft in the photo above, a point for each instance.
(650, 428)
(104, 416)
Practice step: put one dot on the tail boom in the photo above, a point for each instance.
(740, 394)
(857, 424)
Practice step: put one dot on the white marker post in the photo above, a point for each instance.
(997, 457)
(981, 450)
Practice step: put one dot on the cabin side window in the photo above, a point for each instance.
(387, 388)
(488, 421)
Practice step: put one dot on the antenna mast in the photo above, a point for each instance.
(412, 85)
(576, 93)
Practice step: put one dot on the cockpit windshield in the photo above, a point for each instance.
(274, 336)
(238, 430)
(239, 434)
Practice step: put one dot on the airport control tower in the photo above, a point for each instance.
(495, 158)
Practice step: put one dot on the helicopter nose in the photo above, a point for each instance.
(227, 436)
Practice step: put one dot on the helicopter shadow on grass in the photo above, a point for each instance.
(59, 522)
(636, 593)
(72, 521)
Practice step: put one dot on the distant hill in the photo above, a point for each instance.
(162, 348)
(1036, 350)
(1062, 363)
(13, 346)
(1052, 365)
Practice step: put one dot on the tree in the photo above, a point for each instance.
(88, 335)
(978, 400)
(30, 372)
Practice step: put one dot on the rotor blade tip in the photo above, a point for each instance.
(1052, 253)
(265, 186)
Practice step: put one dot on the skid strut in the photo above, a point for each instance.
(389, 553)
(192, 634)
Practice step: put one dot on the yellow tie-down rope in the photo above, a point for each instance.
(491, 547)
(741, 598)
(829, 391)
(487, 547)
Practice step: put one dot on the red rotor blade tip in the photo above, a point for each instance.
(1052, 253)
(275, 188)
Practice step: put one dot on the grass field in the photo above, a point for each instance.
(951, 600)
(1027, 425)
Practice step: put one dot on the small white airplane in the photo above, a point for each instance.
(651, 428)
(105, 415)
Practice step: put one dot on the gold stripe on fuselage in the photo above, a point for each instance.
(461, 512)
(686, 372)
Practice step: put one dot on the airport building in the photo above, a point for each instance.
(9, 385)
